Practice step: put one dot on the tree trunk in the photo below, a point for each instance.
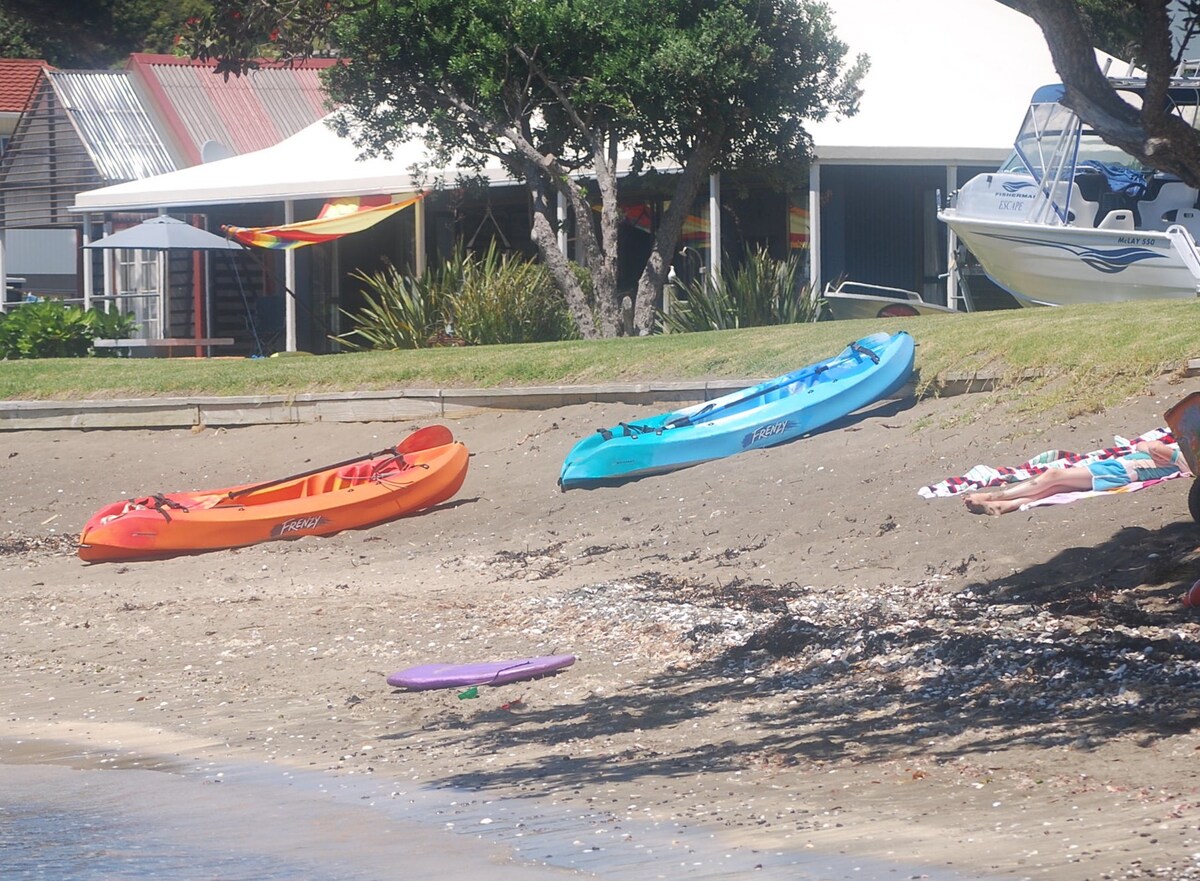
(687, 187)
(1152, 134)
(605, 165)
(601, 260)
(546, 239)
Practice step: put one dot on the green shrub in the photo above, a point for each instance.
(112, 325)
(505, 299)
(49, 329)
(403, 313)
(762, 291)
(477, 301)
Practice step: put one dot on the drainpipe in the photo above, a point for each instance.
(3, 270)
(419, 258)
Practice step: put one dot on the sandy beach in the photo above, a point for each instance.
(789, 646)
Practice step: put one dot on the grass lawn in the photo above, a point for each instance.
(1091, 356)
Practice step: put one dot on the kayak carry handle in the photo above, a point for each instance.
(863, 350)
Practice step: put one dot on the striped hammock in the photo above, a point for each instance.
(338, 217)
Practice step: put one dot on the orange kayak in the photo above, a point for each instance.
(362, 492)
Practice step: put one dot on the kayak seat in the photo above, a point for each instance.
(364, 472)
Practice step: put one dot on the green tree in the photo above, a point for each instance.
(1114, 26)
(1151, 132)
(92, 33)
(561, 90)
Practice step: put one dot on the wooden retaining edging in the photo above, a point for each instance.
(389, 406)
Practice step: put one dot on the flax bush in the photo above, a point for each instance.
(469, 300)
(400, 312)
(506, 299)
(762, 291)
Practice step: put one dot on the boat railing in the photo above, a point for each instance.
(1185, 246)
(875, 290)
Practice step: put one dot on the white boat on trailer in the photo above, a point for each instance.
(1070, 219)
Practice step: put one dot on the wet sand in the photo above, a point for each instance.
(789, 648)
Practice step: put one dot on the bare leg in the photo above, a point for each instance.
(1016, 487)
(1007, 499)
(994, 507)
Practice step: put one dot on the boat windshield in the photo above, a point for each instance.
(1091, 149)
(1053, 147)
(1046, 143)
(1052, 141)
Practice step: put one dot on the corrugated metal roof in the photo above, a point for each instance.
(82, 130)
(246, 113)
(112, 123)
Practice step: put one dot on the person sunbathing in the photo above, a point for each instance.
(1149, 460)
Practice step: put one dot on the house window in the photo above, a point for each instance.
(139, 289)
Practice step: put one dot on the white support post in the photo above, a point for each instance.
(208, 295)
(159, 328)
(335, 286)
(814, 227)
(952, 287)
(89, 283)
(560, 217)
(419, 238)
(108, 261)
(289, 281)
(110, 277)
(714, 228)
(4, 270)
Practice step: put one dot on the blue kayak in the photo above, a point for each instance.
(770, 413)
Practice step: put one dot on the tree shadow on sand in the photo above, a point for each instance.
(1091, 645)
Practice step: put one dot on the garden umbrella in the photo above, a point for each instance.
(164, 233)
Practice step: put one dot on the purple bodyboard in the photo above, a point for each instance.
(429, 676)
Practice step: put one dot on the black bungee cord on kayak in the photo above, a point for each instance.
(632, 430)
(161, 503)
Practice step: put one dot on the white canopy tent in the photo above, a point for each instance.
(314, 163)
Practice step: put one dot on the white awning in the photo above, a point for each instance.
(314, 163)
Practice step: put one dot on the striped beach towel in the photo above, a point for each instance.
(985, 476)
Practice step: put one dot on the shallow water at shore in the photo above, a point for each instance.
(263, 823)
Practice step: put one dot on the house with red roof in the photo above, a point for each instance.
(17, 79)
(77, 130)
(30, 252)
